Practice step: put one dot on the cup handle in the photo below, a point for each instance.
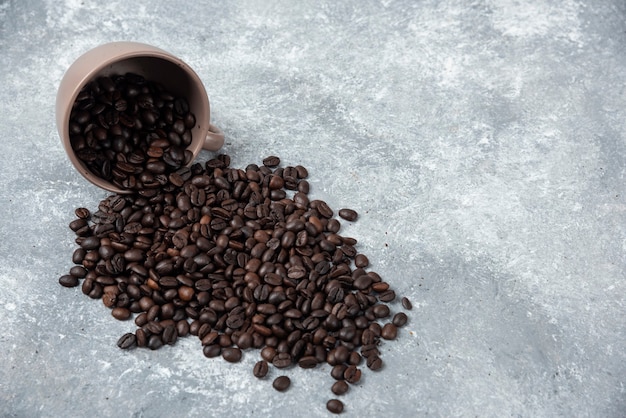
(214, 138)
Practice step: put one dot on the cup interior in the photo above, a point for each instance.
(177, 78)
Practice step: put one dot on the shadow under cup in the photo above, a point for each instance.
(160, 67)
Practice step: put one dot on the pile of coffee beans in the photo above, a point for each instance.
(131, 131)
(242, 259)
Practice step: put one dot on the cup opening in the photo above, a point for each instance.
(176, 77)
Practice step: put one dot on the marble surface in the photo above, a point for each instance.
(482, 142)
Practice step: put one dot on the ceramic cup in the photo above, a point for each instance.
(153, 64)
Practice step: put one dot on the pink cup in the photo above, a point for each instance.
(152, 63)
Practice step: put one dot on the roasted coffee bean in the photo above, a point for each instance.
(389, 332)
(68, 280)
(335, 406)
(340, 387)
(109, 300)
(387, 296)
(327, 212)
(170, 334)
(82, 213)
(400, 319)
(282, 360)
(231, 354)
(79, 255)
(121, 313)
(348, 214)
(78, 224)
(90, 243)
(352, 374)
(381, 311)
(369, 350)
(307, 362)
(374, 362)
(127, 341)
(154, 342)
(153, 327)
(212, 350)
(337, 372)
(362, 282)
(406, 304)
(141, 337)
(354, 359)
(271, 161)
(260, 369)
(245, 341)
(281, 383)
(182, 328)
(361, 261)
(268, 353)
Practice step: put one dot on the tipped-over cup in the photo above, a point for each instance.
(154, 64)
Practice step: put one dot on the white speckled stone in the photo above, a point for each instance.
(482, 142)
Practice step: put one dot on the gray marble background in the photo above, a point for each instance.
(482, 142)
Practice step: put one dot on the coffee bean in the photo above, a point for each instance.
(68, 280)
(82, 213)
(170, 334)
(301, 172)
(399, 319)
(307, 362)
(389, 332)
(352, 374)
(231, 354)
(245, 341)
(369, 350)
(78, 224)
(335, 406)
(141, 337)
(260, 369)
(374, 362)
(78, 271)
(276, 182)
(337, 372)
(182, 328)
(153, 327)
(381, 311)
(109, 300)
(406, 304)
(212, 350)
(354, 359)
(348, 214)
(340, 387)
(127, 341)
(281, 383)
(326, 212)
(387, 296)
(78, 256)
(154, 342)
(282, 360)
(121, 314)
(303, 186)
(361, 261)
(271, 161)
(268, 353)
(362, 282)
(90, 243)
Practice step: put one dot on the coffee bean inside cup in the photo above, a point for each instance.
(131, 131)
(241, 258)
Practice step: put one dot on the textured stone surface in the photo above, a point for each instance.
(483, 144)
